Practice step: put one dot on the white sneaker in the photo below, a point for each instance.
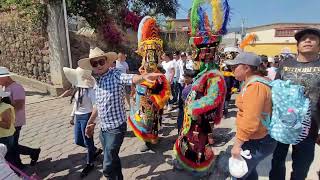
(176, 110)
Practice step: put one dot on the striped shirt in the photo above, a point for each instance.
(110, 93)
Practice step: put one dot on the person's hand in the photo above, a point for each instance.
(235, 152)
(151, 77)
(90, 130)
(318, 140)
(72, 120)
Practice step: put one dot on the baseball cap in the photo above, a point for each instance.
(247, 58)
(303, 32)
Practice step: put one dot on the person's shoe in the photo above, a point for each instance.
(35, 157)
(21, 166)
(86, 170)
(97, 153)
(145, 147)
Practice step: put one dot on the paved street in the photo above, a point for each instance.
(48, 127)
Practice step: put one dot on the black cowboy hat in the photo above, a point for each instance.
(303, 32)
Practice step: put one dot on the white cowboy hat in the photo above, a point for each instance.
(4, 72)
(96, 53)
(79, 77)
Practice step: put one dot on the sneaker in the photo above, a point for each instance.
(35, 157)
(86, 170)
(97, 153)
(175, 111)
(145, 147)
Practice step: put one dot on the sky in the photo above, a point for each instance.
(261, 12)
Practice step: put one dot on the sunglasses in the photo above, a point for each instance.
(96, 63)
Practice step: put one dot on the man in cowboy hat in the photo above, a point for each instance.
(305, 71)
(110, 106)
(17, 98)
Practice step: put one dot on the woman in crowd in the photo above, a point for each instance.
(84, 97)
(7, 120)
(254, 103)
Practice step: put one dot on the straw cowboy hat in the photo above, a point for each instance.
(79, 77)
(4, 93)
(4, 72)
(96, 53)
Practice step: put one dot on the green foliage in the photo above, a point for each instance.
(97, 12)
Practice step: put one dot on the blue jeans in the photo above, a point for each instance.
(81, 139)
(302, 157)
(259, 149)
(111, 141)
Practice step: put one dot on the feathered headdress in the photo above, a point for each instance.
(202, 32)
(148, 36)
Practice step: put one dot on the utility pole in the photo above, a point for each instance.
(243, 33)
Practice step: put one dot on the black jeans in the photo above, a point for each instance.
(259, 149)
(302, 157)
(20, 149)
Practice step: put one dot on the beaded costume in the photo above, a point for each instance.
(150, 98)
(204, 105)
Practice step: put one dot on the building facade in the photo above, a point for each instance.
(274, 39)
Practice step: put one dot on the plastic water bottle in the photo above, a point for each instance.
(290, 118)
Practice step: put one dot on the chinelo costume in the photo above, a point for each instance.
(193, 149)
(150, 98)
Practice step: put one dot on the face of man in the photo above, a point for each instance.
(183, 57)
(101, 65)
(309, 43)
(122, 57)
(3, 81)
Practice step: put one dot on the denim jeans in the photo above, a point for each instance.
(259, 149)
(302, 157)
(81, 139)
(111, 141)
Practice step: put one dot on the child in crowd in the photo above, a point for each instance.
(7, 121)
(188, 79)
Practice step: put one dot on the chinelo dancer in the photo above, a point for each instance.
(193, 149)
(150, 97)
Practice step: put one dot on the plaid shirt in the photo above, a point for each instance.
(110, 93)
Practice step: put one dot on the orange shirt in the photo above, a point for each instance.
(252, 103)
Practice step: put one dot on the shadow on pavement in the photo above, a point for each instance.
(32, 93)
(222, 136)
(73, 164)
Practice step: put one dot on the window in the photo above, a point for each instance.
(287, 32)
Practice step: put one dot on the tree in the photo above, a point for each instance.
(110, 17)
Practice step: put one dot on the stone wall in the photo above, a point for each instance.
(25, 50)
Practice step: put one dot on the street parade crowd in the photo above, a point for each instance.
(278, 102)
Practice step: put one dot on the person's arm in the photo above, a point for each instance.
(6, 119)
(18, 104)
(91, 123)
(128, 79)
(18, 97)
(172, 73)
